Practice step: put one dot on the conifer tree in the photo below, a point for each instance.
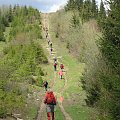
(102, 13)
(78, 4)
(10, 14)
(86, 12)
(75, 20)
(110, 48)
(94, 9)
(70, 5)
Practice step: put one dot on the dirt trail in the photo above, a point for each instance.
(41, 112)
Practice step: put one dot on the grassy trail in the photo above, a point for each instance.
(50, 77)
(73, 106)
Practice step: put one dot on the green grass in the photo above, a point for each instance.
(78, 112)
(32, 112)
(58, 114)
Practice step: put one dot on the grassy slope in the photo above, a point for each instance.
(74, 95)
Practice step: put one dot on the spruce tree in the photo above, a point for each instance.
(78, 4)
(110, 47)
(86, 12)
(94, 9)
(70, 5)
(10, 14)
(102, 12)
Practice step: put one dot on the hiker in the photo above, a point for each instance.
(48, 41)
(61, 74)
(46, 29)
(51, 45)
(51, 49)
(50, 102)
(46, 34)
(55, 59)
(45, 84)
(61, 66)
(55, 66)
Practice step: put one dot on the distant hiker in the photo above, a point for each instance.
(51, 49)
(51, 45)
(50, 102)
(55, 66)
(55, 59)
(61, 74)
(46, 34)
(61, 66)
(48, 41)
(46, 29)
(45, 84)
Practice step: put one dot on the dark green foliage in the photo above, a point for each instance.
(110, 47)
(10, 14)
(75, 21)
(70, 5)
(101, 15)
(106, 76)
(94, 9)
(4, 22)
(87, 9)
(102, 12)
(79, 4)
(87, 13)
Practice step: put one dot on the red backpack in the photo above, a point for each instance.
(50, 99)
(55, 64)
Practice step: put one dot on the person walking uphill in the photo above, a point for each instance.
(45, 84)
(61, 74)
(50, 102)
(61, 66)
(51, 45)
(55, 66)
(55, 59)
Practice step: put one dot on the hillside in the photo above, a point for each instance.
(84, 39)
(20, 63)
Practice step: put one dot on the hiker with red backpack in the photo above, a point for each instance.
(61, 74)
(61, 66)
(55, 66)
(50, 102)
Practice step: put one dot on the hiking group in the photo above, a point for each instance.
(50, 100)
